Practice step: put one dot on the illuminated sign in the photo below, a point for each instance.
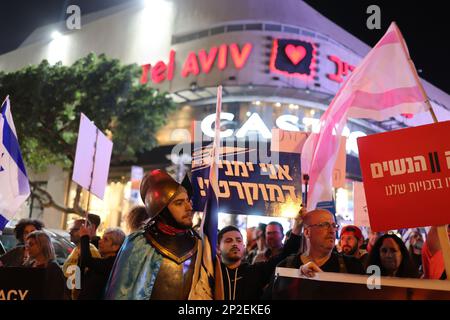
(293, 58)
(288, 122)
(289, 57)
(195, 63)
(342, 69)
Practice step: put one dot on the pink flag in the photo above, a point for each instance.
(384, 84)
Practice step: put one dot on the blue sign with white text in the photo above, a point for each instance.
(251, 182)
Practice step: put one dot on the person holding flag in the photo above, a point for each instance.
(159, 262)
(168, 260)
(14, 185)
(383, 85)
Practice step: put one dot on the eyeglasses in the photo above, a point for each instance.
(325, 225)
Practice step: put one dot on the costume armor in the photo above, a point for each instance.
(157, 190)
(174, 278)
(159, 261)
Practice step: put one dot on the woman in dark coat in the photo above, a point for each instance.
(391, 255)
(40, 253)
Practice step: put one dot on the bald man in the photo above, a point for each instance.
(320, 231)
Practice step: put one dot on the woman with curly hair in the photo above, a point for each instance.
(391, 255)
(16, 256)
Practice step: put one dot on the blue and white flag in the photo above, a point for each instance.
(14, 186)
(209, 285)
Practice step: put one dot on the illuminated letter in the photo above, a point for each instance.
(158, 72)
(207, 60)
(209, 120)
(240, 58)
(254, 123)
(287, 122)
(190, 66)
(144, 75)
(171, 67)
(222, 58)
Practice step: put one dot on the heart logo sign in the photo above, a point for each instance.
(295, 53)
(293, 58)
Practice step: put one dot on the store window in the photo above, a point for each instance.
(112, 209)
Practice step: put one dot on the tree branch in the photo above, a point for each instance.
(46, 201)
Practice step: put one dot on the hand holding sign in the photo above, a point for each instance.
(298, 221)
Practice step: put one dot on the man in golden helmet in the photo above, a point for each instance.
(159, 261)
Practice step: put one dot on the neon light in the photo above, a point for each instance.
(158, 72)
(254, 123)
(144, 75)
(209, 120)
(295, 55)
(190, 65)
(287, 122)
(352, 145)
(240, 58)
(222, 58)
(207, 59)
(171, 68)
(342, 69)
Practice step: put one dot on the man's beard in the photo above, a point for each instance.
(352, 251)
(231, 258)
(167, 218)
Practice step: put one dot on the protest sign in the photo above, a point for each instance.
(406, 176)
(250, 183)
(22, 283)
(92, 158)
(361, 216)
(290, 285)
(136, 176)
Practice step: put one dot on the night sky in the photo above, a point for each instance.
(424, 24)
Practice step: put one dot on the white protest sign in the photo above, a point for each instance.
(287, 141)
(92, 158)
(361, 217)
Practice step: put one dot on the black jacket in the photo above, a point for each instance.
(252, 278)
(94, 279)
(288, 288)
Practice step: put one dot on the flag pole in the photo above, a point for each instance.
(442, 230)
(306, 180)
(92, 178)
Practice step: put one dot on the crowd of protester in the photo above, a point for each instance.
(315, 243)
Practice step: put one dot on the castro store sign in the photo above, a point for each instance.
(289, 58)
(255, 125)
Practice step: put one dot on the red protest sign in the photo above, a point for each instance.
(406, 176)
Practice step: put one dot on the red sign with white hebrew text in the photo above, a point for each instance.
(406, 176)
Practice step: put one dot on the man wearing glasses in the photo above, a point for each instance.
(320, 231)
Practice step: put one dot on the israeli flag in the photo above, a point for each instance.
(14, 186)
